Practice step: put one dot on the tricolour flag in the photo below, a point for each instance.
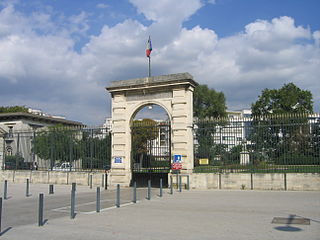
(149, 47)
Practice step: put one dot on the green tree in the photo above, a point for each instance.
(57, 144)
(288, 99)
(13, 109)
(208, 103)
(280, 125)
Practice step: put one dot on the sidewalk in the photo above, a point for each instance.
(215, 214)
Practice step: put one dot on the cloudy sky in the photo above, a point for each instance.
(58, 56)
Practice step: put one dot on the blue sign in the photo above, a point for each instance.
(177, 158)
(118, 160)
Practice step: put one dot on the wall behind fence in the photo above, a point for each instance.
(54, 177)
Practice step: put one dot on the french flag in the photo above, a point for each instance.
(149, 47)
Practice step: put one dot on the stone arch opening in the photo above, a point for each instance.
(150, 129)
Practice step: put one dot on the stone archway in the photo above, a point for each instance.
(172, 92)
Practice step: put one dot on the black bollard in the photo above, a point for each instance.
(106, 182)
(171, 185)
(51, 190)
(98, 200)
(188, 183)
(149, 190)
(5, 190)
(134, 200)
(180, 183)
(118, 196)
(27, 188)
(90, 181)
(40, 212)
(0, 215)
(160, 194)
(73, 201)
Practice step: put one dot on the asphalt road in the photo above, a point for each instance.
(20, 210)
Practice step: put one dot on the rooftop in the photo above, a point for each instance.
(35, 117)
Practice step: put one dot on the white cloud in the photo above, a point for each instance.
(42, 69)
(102, 5)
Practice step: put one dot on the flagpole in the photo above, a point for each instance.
(149, 66)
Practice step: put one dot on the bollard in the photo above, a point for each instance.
(51, 191)
(40, 212)
(74, 187)
(98, 200)
(5, 190)
(171, 185)
(188, 183)
(73, 201)
(149, 190)
(102, 180)
(0, 215)
(160, 195)
(90, 181)
(106, 182)
(118, 196)
(180, 183)
(134, 200)
(27, 188)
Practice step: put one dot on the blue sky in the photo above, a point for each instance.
(58, 56)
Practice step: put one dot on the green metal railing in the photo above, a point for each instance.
(263, 144)
(59, 149)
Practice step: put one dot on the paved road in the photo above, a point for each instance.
(214, 214)
(20, 210)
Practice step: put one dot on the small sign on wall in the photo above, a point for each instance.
(177, 158)
(118, 160)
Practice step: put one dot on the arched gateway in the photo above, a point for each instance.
(174, 93)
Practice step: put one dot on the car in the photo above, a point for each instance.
(65, 166)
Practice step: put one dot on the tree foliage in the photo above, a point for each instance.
(208, 103)
(288, 99)
(13, 109)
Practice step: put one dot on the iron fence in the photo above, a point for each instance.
(58, 149)
(264, 144)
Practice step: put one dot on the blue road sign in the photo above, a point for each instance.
(177, 158)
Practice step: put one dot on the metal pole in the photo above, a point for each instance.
(188, 183)
(73, 201)
(40, 213)
(160, 195)
(74, 187)
(149, 67)
(171, 184)
(51, 191)
(98, 200)
(5, 190)
(106, 182)
(134, 192)
(0, 215)
(90, 181)
(118, 196)
(149, 190)
(27, 188)
(180, 183)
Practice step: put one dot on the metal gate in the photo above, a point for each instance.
(151, 151)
